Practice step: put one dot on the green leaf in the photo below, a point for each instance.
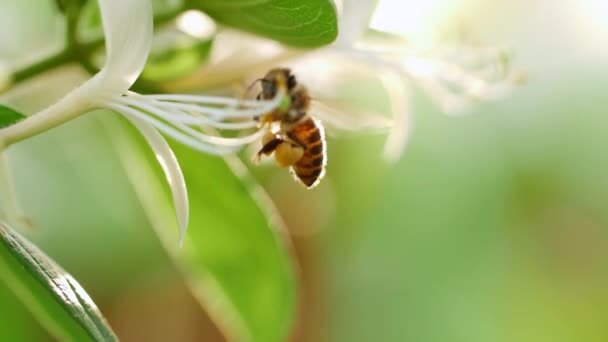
(163, 7)
(9, 116)
(233, 239)
(55, 298)
(234, 258)
(61, 5)
(20, 325)
(90, 25)
(186, 54)
(300, 23)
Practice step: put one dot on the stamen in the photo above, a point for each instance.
(223, 141)
(176, 115)
(179, 130)
(218, 113)
(172, 132)
(212, 139)
(175, 118)
(230, 111)
(216, 100)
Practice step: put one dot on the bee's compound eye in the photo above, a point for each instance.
(269, 88)
(288, 154)
(291, 82)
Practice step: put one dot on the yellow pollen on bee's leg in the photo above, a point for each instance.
(288, 154)
(268, 137)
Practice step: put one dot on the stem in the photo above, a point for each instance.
(77, 52)
(62, 58)
(69, 54)
(70, 106)
(9, 208)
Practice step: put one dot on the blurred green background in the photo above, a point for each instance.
(492, 227)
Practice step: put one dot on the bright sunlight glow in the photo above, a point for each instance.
(596, 12)
(418, 21)
(196, 24)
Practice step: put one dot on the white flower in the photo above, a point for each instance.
(128, 30)
(454, 74)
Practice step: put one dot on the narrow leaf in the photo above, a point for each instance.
(185, 55)
(9, 116)
(300, 23)
(234, 258)
(55, 298)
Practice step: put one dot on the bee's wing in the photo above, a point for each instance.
(339, 118)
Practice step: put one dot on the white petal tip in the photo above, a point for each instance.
(397, 140)
(183, 229)
(392, 156)
(173, 172)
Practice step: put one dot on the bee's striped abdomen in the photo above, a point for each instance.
(311, 167)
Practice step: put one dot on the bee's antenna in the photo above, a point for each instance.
(253, 84)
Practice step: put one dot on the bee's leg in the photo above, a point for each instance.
(270, 145)
(296, 140)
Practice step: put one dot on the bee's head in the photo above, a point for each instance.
(275, 79)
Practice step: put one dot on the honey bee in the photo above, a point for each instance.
(299, 142)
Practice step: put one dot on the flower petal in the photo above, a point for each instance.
(348, 118)
(128, 29)
(354, 20)
(397, 88)
(173, 172)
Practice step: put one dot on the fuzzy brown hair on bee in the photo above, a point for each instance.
(299, 142)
